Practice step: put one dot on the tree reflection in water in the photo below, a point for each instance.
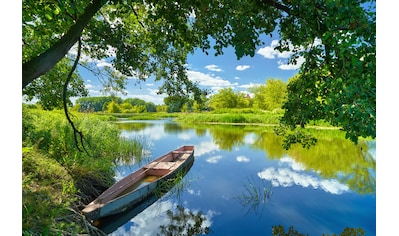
(185, 222)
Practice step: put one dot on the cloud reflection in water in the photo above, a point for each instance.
(242, 159)
(214, 159)
(150, 220)
(293, 173)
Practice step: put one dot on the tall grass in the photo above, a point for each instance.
(58, 179)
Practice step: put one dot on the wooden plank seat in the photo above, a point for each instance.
(161, 165)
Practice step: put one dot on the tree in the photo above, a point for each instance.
(113, 107)
(225, 98)
(174, 103)
(271, 95)
(93, 104)
(47, 89)
(336, 39)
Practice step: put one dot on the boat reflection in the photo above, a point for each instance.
(111, 223)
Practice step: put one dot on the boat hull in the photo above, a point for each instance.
(118, 198)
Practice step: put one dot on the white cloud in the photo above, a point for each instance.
(242, 159)
(207, 80)
(103, 63)
(284, 66)
(250, 138)
(192, 192)
(237, 78)
(294, 164)
(294, 174)
(242, 67)
(214, 159)
(93, 92)
(205, 148)
(153, 91)
(148, 222)
(89, 86)
(185, 136)
(213, 68)
(270, 52)
(250, 85)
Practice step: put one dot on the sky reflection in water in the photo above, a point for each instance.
(322, 193)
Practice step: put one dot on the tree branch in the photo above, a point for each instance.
(64, 97)
(278, 6)
(42, 63)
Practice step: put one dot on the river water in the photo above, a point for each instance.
(243, 182)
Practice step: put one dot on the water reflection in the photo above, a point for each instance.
(168, 218)
(319, 190)
(255, 195)
(352, 165)
(183, 221)
(226, 137)
(291, 173)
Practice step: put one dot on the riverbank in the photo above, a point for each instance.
(245, 116)
(58, 180)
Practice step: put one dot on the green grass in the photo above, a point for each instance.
(138, 116)
(235, 116)
(58, 179)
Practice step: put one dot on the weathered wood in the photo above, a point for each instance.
(131, 190)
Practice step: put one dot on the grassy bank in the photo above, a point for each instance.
(241, 116)
(140, 116)
(57, 178)
(247, 116)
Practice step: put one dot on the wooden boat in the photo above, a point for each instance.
(135, 187)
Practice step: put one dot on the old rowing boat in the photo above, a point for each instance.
(135, 187)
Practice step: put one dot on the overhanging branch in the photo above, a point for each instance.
(76, 132)
(42, 63)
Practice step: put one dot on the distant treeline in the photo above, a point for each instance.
(115, 105)
(267, 97)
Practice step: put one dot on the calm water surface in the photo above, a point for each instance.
(242, 183)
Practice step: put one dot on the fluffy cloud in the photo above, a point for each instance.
(103, 63)
(270, 53)
(213, 68)
(214, 159)
(149, 221)
(242, 159)
(242, 67)
(207, 80)
(206, 147)
(294, 175)
(284, 66)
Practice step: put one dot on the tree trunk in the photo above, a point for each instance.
(42, 63)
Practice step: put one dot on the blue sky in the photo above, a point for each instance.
(213, 72)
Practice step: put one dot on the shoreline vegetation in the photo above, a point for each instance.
(62, 179)
(57, 179)
(248, 117)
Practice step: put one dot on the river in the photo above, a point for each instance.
(243, 182)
